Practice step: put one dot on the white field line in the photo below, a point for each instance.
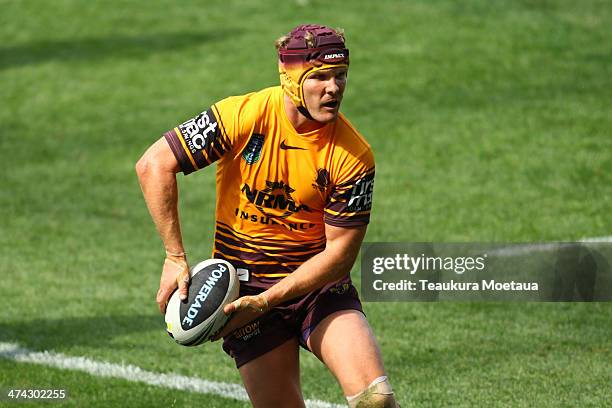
(516, 250)
(597, 239)
(12, 351)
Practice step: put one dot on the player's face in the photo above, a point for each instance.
(323, 91)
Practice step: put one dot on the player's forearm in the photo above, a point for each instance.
(328, 266)
(160, 192)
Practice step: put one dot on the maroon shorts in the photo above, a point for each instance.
(294, 319)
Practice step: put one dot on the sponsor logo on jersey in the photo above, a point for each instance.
(199, 132)
(360, 196)
(265, 220)
(275, 200)
(243, 274)
(287, 147)
(252, 151)
(322, 180)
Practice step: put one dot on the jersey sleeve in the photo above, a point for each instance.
(204, 139)
(350, 200)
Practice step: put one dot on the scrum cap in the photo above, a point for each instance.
(297, 58)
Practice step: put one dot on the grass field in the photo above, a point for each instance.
(490, 121)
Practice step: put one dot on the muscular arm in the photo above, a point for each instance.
(156, 171)
(332, 264)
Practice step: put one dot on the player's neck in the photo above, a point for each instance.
(300, 122)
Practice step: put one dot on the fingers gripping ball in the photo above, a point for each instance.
(182, 277)
(214, 284)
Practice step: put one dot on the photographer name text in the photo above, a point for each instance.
(453, 286)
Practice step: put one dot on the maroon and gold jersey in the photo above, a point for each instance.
(276, 188)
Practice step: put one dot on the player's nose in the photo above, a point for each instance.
(332, 86)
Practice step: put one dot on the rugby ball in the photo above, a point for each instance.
(214, 284)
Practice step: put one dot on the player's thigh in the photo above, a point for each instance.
(345, 343)
(273, 379)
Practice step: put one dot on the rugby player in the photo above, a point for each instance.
(294, 193)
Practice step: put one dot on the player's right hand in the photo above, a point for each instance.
(243, 310)
(175, 273)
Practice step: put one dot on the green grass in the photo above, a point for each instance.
(85, 390)
(490, 121)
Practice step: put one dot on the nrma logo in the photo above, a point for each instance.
(275, 200)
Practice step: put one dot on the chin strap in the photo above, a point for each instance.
(293, 76)
(304, 111)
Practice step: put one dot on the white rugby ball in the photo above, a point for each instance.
(214, 284)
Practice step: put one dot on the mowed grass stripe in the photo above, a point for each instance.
(129, 372)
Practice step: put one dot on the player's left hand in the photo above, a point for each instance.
(243, 310)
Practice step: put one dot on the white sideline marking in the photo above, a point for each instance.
(597, 239)
(523, 249)
(12, 351)
(544, 247)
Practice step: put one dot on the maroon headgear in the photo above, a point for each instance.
(297, 60)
